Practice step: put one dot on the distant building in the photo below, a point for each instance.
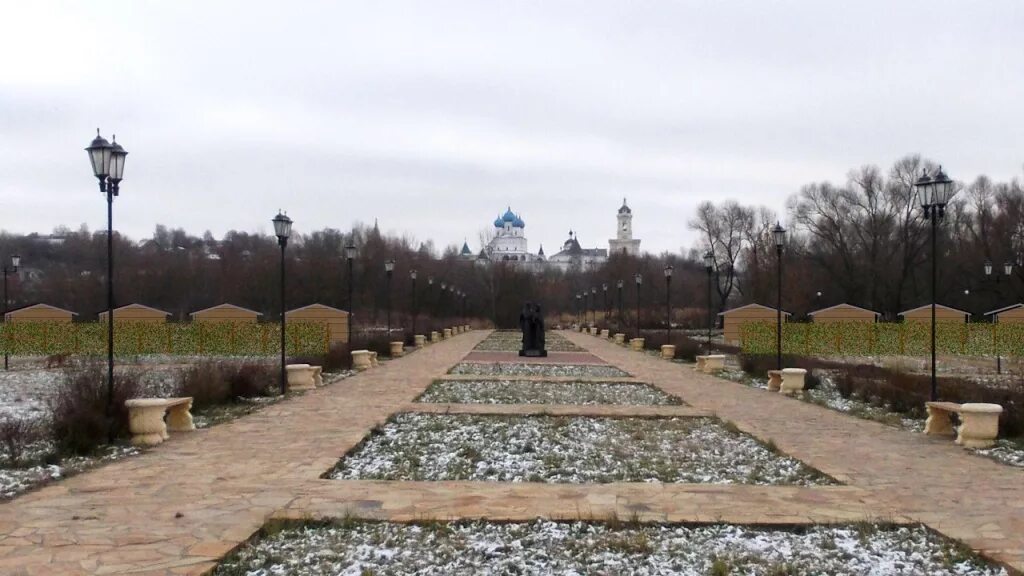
(224, 313)
(509, 244)
(335, 319)
(733, 320)
(136, 313)
(1008, 314)
(39, 313)
(942, 314)
(843, 313)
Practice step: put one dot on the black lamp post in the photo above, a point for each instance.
(934, 192)
(668, 304)
(604, 290)
(709, 267)
(350, 255)
(618, 285)
(440, 301)
(430, 295)
(107, 159)
(1007, 270)
(579, 309)
(15, 262)
(639, 280)
(282, 229)
(415, 310)
(389, 269)
(593, 304)
(779, 234)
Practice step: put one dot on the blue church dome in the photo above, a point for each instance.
(509, 216)
(498, 223)
(518, 223)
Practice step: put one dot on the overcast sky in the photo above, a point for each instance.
(434, 116)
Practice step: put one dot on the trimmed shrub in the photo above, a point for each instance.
(207, 383)
(16, 435)
(79, 422)
(252, 380)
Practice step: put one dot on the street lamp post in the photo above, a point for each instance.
(934, 192)
(107, 159)
(593, 304)
(604, 290)
(779, 234)
(15, 262)
(415, 310)
(430, 295)
(282, 229)
(1007, 271)
(709, 267)
(668, 304)
(350, 255)
(618, 285)
(389, 269)
(639, 280)
(579, 309)
(440, 300)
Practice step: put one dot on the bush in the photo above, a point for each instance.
(758, 365)
(16, 435)
(79, 422)
(337, 358)
(207, 383)
(686, 348)
(252, 380)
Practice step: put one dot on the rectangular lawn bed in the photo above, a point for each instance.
(546, 547)
(534, 392)
(546, 370)
(569, 449)
(512, 341)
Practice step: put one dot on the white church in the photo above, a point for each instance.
(509, 245)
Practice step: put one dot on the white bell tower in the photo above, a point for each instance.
(624, 242)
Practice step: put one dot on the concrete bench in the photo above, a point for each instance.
(446, 333)
(604, 334)
(774, 380)
(709, 363)
(435, 337)
(373, 359)
(637, 344)
(304, 376)
(419, 340)
(668, 351)
(793, 381)
(146, 418)
(397, 349)
(620, 338)
(979, 422)
(361, 360)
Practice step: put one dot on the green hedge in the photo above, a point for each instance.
(134, 338)
(885, 338)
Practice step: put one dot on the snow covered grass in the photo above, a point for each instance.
(512, 341)
(570, 449)
(40, 466)
(548, 370)
(1006, 451)
(530, 392)
(542, 547)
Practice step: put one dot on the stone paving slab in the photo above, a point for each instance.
(491, 356)
(534, 378)
(697, 503)
(597, 410)
(962, 495)
(177, 508)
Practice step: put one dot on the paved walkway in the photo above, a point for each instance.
(180, 507)
(959, 494)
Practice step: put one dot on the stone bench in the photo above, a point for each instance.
(620, 338)
(304, 376)
(146, 418)
(446, 333)
(435, 337)
(397, 349)
(979, 422)
(637, 344)
(361, 360)
(373, 359)
(419, 340)
(710, 363)
(793, 381)
(604, 334)
(668, 351)
(774, 380)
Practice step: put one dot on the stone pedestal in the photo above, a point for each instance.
(792, 381)
(300, 377)
(179, 415)
(146, 421)
(710, 363)
(397, 349)
(435, 337)
(774, 380)
(620, 338)
(604, 334)
(447, 333)
(637, 344)
(361, 360)
(668, 351)
(373, 358)
(419, 340)
(979, 425)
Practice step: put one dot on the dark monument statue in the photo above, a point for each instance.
(532, 323)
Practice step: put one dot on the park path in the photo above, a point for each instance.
(908, 475)
(179, 507)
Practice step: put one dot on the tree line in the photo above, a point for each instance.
(861, 241)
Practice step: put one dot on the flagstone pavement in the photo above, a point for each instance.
(178, 508)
